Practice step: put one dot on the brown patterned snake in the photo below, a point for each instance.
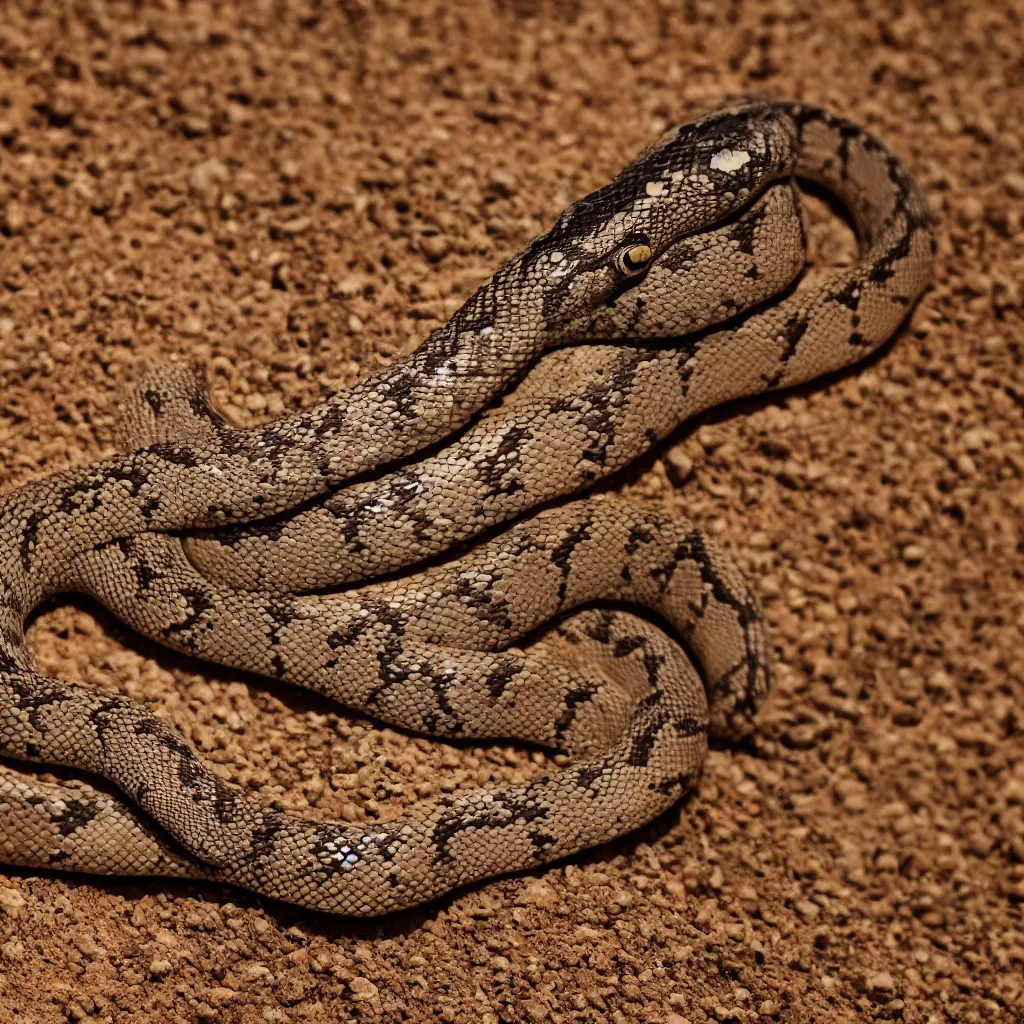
(695, 232)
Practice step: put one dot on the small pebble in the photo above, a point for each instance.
(297, 225)
(537, 893)
(502, 181)
(678, 466)
(435, 247)
(362, 990)
(208, 175)
(807, 910)
(12, 903)
(14, 218)
(291, 991)
(880, 981)
(913, 554)
(1013, 182)
(160, 968)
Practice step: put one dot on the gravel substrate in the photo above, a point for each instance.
(293, 192)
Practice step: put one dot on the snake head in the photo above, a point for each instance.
(689, 180)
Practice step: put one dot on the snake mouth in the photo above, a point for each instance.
(622, 287)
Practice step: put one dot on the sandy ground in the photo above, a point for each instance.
(294, 191)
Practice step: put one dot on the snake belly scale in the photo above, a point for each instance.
(671, 266)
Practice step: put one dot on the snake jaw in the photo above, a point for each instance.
(574, 297)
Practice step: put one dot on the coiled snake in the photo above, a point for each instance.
(676, 260)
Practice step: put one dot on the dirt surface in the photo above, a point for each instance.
(294, 192)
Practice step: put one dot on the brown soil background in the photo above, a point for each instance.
(292, 191)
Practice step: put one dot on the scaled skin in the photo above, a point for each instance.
(431, 651)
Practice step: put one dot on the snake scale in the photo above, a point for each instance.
(648, 301)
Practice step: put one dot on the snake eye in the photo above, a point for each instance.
(633, 259)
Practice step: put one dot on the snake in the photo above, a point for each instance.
(585, 412)
(674, 263)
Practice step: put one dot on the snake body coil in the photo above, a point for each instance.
(669, 260)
